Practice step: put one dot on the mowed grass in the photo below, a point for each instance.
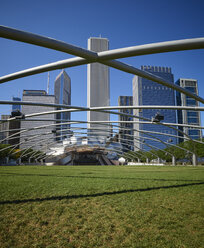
(101, 206)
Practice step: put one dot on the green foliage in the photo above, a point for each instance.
(5, 152)
(16, 153)
(165, 154)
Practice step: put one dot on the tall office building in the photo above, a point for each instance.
(98, 89)
(4, 129)
(16, 107)
(63, 96)
(189, 117)
(126, 129)
(36, 139)
(146, 92)
(8, 128)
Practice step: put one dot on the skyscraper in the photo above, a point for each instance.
(63, 96)
(37, 96)
(126, 129)
(98, 89)
(146, 92)
(16, 107)
(188, 116)
(4, 129)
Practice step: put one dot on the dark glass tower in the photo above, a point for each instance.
(16, 107)
(63, 96)
(126, 129)
(146, 92)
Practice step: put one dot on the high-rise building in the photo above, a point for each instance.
(14, 128)
(98, 89)
(16, 107)
(63, 96)
(146, 92)
(126, 129)
(34, 138)
(4, 129)
(9, 130)
(189, 117)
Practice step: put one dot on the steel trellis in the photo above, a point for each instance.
(106, 58)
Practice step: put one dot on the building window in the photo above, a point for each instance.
(190, 102)
(192, 114)
(190, 83)
(193, 132)
(192, 120)
(191, 89)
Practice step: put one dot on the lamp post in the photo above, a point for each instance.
(173, 157)
(194, 157)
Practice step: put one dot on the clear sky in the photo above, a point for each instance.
(123, 22)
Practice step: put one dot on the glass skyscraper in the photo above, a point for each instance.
(146, 92)
(63, 96)
(126, 129)
(189, 117)
(16, 107)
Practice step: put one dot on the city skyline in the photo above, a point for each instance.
(18, 56)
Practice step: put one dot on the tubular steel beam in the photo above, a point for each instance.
(116, 64)
(142, 131)
(22, 36)
(39, 40)
(72, 122)
(98, 109)
(160, 47)
(99, 122)
(195, 108)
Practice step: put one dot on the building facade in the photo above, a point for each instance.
(16, 107)
(10, 128)
(146, 92)
(63, 96)
(14, 128)
(98, 88)
(188, 117)
(4, 129)
(126, 129)
(37, 138)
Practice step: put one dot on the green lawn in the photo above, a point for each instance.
(101, 206)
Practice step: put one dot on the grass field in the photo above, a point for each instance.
(101, 206)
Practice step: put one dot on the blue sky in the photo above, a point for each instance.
(123, 22)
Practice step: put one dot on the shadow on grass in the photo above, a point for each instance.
(109, 178)
(68, 197)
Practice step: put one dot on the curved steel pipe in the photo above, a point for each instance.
(22, 36)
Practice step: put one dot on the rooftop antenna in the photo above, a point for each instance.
(48, 82)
